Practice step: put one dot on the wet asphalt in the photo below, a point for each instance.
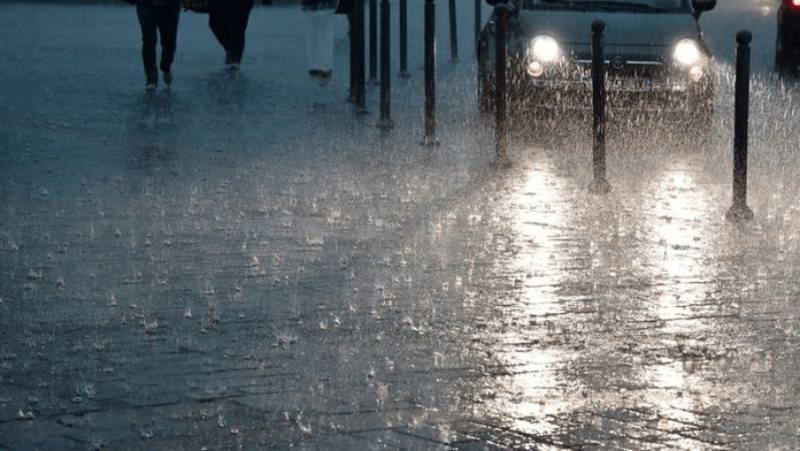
(240, 261)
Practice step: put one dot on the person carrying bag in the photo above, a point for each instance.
(228, 20)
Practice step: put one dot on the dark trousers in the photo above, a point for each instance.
(228, 22)
(156, 20)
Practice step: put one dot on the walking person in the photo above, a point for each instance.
(228, 21)
(158, 17)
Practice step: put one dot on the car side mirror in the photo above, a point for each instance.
(701, 6)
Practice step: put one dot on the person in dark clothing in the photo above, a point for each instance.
(346, 7)
(228, 21)
(158, 17)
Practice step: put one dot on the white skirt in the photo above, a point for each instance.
(319, 43)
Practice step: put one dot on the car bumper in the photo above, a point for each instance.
(637, 95)
(647, 86)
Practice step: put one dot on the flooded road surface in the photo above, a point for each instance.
(240, 262)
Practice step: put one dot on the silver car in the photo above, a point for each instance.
(656, 60)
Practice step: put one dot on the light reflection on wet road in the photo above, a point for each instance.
(630, 310)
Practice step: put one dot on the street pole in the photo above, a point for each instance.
(430, 73)
(503, 14)
(357, 44)
(453, 32)
(373, 41)
(739, 210)
(385, 122)
(477, 24)
(404, 39)
(599, 184)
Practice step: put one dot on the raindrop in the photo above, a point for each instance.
(22, 416)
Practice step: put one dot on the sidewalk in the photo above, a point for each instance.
(240, 262)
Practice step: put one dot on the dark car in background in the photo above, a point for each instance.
(787, 47)
(656, 60)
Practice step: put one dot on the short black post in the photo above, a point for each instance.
(353, 50)
(403, 39)
(357, 45)
(373, 41)
(503, 14)
(739, 211)
(453, 32)
(385, 121)
(599, 184)
(430, 73)
(477, 24)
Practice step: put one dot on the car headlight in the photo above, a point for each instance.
(545, 49)
(687, 52)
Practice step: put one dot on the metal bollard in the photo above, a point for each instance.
(353, 50)
(453, 32)
(385, 121)
(477, 24)
(739, 210)
(430, 73)
(357, 88)
(503, 14)
(599, 184)
(404, 39)
(373, 41)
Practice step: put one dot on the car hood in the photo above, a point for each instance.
(640, 33)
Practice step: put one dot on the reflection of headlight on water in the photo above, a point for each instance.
(695, 73)
(686, 52)
(535, 69)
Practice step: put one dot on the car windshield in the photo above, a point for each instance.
(657, 6)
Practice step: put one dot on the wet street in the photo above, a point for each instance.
(239, 261)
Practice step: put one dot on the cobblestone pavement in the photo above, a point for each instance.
(240, 262)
